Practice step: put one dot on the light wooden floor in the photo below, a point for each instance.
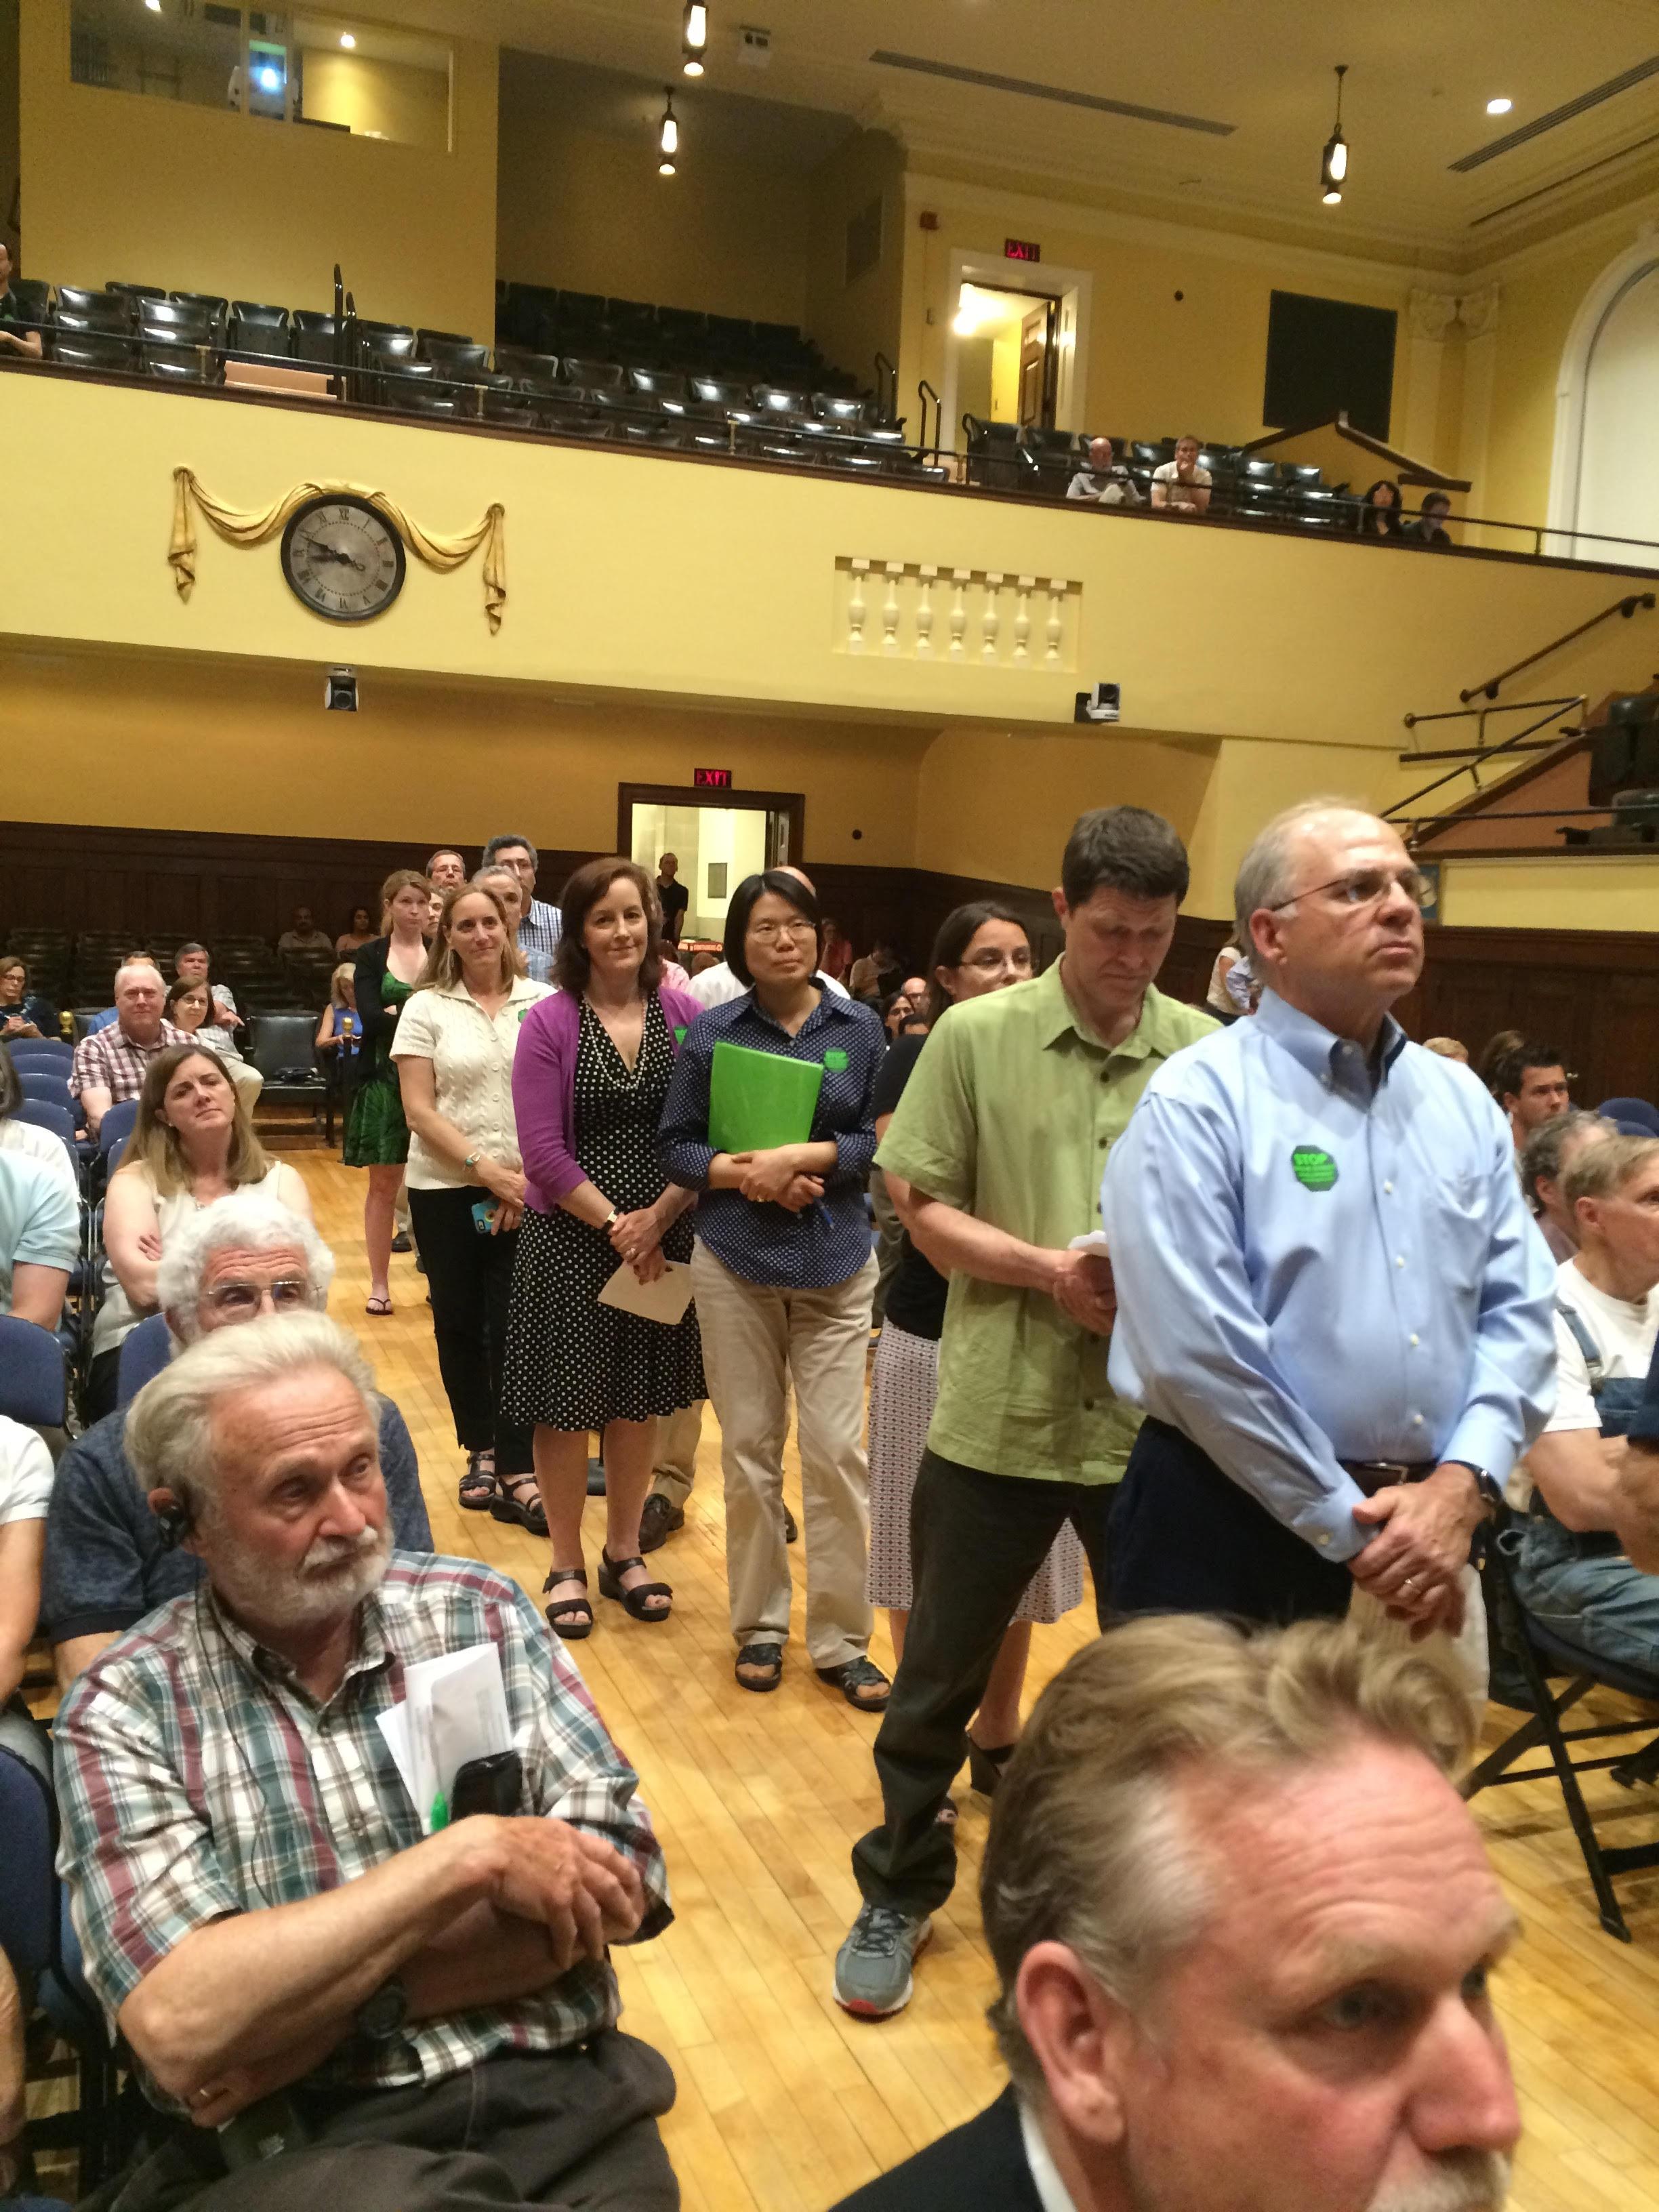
(785, 2103)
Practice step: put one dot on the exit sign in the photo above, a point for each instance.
(1021, 249)
(712, 779)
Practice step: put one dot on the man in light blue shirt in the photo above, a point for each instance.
(1332, 1303)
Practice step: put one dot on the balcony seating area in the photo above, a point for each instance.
(1024, 458)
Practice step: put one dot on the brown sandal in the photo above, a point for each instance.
(580, 1612)
(634, 1601)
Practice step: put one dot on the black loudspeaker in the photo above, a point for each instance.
(1626, 752)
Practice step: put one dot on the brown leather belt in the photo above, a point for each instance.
(1375, 1474)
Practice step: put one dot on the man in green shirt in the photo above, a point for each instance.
(13, 340)
(994, 1160)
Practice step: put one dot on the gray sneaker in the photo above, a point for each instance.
(873, 1966)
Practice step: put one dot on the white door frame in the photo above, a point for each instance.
(1074, 288)
(1572, 381)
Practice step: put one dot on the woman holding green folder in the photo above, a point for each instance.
(769, 1118)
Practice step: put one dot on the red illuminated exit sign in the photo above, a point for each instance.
(712, 779)
(1021, 249)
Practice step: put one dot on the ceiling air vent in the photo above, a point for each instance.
(1064, 95)
(1557, 116)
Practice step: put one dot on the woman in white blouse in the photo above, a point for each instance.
(453, 1051)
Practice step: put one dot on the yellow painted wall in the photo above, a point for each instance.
(10, 160)
(1613, 892)
(643, 574)
(378, 98)
(175, 742)
(852, 322)
(206, 200)
(1157, 366)
(588, 212)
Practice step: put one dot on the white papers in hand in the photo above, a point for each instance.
(454, 1710)
(1095, 1241)
(665, 1300)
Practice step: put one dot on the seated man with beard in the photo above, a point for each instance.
(327, 2005)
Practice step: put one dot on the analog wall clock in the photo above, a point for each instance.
(342, 558)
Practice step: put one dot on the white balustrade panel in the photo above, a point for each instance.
(958, 617)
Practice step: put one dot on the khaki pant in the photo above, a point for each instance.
(755, 1340)
(1465, 1655)
(676, 1468)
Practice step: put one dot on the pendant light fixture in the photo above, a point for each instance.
(1333, 165)
(694, 37)
(668, 137)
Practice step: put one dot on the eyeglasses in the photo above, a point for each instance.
(768, 932)
(241, 1301)
(985, 963)
(1365, 886)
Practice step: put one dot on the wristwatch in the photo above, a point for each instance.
(611, 1221)
(380, 2018)
(1492, 1497)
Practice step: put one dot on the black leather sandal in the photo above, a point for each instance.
(509, 1505)
(761, 1655)
(580, 1622)
(854, 1676)
(634, 1601)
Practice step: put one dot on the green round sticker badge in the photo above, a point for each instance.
(835, 1060)
(1314, 1170)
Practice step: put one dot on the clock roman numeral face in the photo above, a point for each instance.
(343, 559)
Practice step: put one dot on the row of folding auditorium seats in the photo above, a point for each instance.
(1013, 457)
(639, 335)
(76, 972)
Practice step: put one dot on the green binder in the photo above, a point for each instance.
(759, 1099)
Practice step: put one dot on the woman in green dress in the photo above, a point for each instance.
(376, 1133)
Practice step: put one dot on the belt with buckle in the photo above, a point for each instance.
(1375, 1474)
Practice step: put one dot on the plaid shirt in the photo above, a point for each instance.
(197, 1779)
(538, 938)
(108, 1059)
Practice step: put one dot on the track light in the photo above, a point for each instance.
(694, 37)
(1333, 164)
(668, 135)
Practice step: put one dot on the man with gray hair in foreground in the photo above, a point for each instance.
(1244, 1927)
(105, 1564)
(333, 1996)
(1331, 1301)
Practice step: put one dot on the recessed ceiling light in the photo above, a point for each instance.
(154, 6)
(1499, 106)
(347, 39)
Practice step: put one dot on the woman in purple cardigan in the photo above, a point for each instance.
(589, 1078)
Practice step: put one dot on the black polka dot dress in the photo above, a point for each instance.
(572, 1363)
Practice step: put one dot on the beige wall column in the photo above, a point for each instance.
(1429, 317)
(1478, 313)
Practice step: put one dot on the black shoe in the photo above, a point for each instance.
(658, 1522)
(403, 1242)
(790, 1531)
(985, 1764)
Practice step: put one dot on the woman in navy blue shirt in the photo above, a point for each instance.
(784, 1276)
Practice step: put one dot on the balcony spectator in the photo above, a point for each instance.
(1102, 481)
(1429, 527)
(23, 1012)
(1181, 484)
(1379, 511)
(111, 1063)
(12, 338)
(304, 936)
(360, 932)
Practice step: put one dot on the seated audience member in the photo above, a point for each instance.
(907, 1007)
(111, 1063)
(1181, 484)
(136, 958)
(873, 977)
(25, 1486)
(339, 1029)
(303, 936)
(107, 1566)
(1379, 511)
(23, 1012)
(191, 1146)
(1101, 483)
(1569, 1569)
(433, 2016)
(1492, 1066)
(1534, 1088)
(13, 339)
(192, 964)
(22, 1138)
(836, 959)
(188, 1008)
(1447, 1049)
(361, 931)
(40, 1238)
(1547, 1154)
(539, 925)
(1429, 527)
(672, 898)
(716, 984)
(1226, 1984)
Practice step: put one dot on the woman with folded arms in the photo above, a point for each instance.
(453, 1053)
(979, 947)
(783, 1277)
(387, 969)
(591, 1072)
(192, 1143)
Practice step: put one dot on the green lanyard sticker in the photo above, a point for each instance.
(1314, 1170)
(680, 1033)
(835, 1060)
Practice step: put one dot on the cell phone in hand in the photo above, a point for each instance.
(488, 1785)
(484, 1215)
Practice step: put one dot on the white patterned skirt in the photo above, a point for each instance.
(903, 1385)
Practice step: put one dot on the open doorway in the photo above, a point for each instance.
(1008, 360)
(714, 846)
